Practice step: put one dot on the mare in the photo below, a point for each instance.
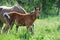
(5, 10)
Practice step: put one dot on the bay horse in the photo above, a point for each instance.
(5, 9)
(23, 19)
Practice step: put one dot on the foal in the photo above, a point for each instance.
(23, 19)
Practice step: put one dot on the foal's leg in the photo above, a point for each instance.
(28, 29)
(32, 29)
(38, 17)
(17, 28)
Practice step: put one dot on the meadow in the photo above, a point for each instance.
(44, 29)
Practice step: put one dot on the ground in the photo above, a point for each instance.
(44, 29)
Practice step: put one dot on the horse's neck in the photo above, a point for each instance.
(20, 9)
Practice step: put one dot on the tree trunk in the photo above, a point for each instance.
(58, 12)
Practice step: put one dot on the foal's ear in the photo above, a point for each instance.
(39, 8)
(1, 9)
(35, 8)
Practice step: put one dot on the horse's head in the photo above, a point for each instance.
(37, 11)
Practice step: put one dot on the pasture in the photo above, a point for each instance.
(44, 29)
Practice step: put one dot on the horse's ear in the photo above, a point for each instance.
(1, 9)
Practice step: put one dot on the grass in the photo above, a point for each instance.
(45, 29)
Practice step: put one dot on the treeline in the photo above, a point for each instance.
(48, 7)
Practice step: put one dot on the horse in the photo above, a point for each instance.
(5, 9)
(23, 19)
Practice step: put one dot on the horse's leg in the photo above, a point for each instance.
(1, 25)
(6, 28)
(12, 26)
(17, 28)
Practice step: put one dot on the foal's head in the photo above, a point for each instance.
(37, 11)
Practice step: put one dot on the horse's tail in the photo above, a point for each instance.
(6, 15)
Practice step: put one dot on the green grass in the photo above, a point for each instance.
(44, 29)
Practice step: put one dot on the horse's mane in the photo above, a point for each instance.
(23, 9)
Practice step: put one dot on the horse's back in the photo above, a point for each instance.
(5, 7)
